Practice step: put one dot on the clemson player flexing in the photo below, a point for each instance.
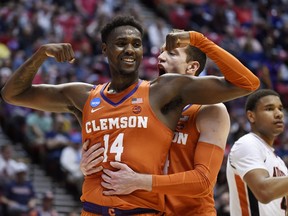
(197, 150)
(163, 101)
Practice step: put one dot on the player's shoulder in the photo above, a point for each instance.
(246, 142)
(169, 77)
(247, 137)
(218, 108)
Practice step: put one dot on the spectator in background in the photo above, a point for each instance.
(7, 170)
(179, 17)
(282, 149)
(251, 50)
(56, 140)
(8, 165)
(74, 212)
(238, 127)
(264, 75)
(157, 32)
(85, 8)
(38, 123)
(230, 41)
(19, 196)
(46, 208)
(282, 82)
(70, 160)
(5, 73)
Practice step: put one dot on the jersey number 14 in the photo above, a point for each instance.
(116, 147)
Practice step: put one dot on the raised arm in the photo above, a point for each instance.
(232, 69)
(18, 90)
(237, 80)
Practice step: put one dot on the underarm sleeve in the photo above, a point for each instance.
(193, 183)
(232, 69)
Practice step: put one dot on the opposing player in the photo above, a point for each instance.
(257, 177)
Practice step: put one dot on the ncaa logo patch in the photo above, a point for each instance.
(95, 102)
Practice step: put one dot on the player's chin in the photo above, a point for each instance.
(279, 130)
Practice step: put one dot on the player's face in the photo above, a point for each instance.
(173, 61)
(269, 117)
(124, 50)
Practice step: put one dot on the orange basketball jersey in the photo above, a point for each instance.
(184, 141)
(126, 126)
(181, 159)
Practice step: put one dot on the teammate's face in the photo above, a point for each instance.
(173, 61)
(268, 118)
(124, 50)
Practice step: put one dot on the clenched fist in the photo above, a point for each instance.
(60, 51)
(177, 39)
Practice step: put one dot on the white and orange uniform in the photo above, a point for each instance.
(126, 126)
(248, 153)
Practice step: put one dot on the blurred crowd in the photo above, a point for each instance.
(255, 31)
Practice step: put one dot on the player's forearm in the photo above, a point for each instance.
(275, 187)
(195, 183)
(232, 69)
(191, 183)
(22, 78)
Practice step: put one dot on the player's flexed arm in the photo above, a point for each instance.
(237, 80)
(231, 68)
(19, 90)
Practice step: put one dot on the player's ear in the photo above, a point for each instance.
(192, 67)
(250, 116)
(104, 49)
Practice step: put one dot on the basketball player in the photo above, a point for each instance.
(123, 113)
(257, 177)
(195, 156)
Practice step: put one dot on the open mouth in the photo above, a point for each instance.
(161, 70)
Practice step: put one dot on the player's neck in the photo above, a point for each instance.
(117, 87)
